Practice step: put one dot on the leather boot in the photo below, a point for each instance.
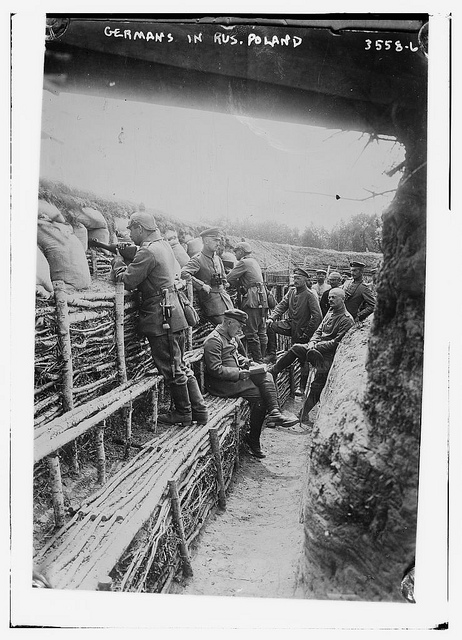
(182, 412)
(257, 415)
(270, 355)
(254, 350)
(198, 406)
(284, 361)
(309, 403)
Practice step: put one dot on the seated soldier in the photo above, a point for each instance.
(321, 349)
(229, 375)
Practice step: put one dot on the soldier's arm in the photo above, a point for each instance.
(280, 308)
(235, 274)
(214, 362)
(188, 271)
(368, 304)
(138, 270)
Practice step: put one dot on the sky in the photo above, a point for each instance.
(201, 165)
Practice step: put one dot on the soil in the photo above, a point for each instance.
(253, 549)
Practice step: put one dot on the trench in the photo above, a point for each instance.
(254, 547)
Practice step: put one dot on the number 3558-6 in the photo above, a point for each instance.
(388, 45)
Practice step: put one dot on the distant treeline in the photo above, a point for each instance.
(361, 234)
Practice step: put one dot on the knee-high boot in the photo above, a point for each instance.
(284, 361)
(257, 415)
(182, 412)
(198, 406)
(309, 403)
(269, 396)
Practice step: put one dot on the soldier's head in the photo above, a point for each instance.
(320, 276)
(301, 278)
(336, 299)
(356, 269)
(211, 239)
(171, 236)
(233, 321)
(242, 249)
(335, 279)
(142, 226)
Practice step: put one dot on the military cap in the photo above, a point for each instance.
(322, 271)
(243, 246)
(144, 219)
(213, 232)
(355, 263)
(335, 274)
(301, 272)
(236, 314)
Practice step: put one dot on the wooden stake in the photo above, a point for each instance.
(201, 378)
(119, 331)
(56, 489)
(155, 405)
(127, 412)
(105, 584)
(215, 444)
(178, 519)
(94, 262)
(189, 293)
(101, 453)
(237, 438)
(64, 341)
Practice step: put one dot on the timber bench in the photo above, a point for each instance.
(154, 506)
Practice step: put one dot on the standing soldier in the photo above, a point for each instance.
(359, 299)
(248, 279)
(162, 319)
(208, 277)
(335, 281)
(303, 317)
(321, 285)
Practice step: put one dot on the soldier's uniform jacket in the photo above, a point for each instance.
(330, 332)
(222, 360)
(303, 311)
(247, 274)
(320, 288)
(359, 299)
(152, 270)
(202, 268)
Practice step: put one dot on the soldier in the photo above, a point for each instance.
(335, 280)
(178, 251)
(321, 349)
(304, 316)
(208, 277)
(162, 319)
(227, 376)
(359, 299)
(248, 279)
(321, 285)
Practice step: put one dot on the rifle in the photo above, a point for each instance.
(125, 249)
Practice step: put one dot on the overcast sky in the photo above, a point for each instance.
(196, 165)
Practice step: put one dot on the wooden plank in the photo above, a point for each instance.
(65, 428)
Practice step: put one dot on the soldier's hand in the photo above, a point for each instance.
(244, 375)
(207, 288)
(119, 273)
(269, 321)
